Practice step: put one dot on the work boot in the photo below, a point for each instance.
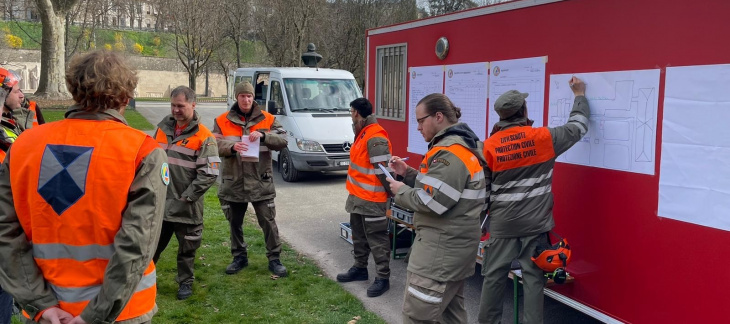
(237, 265)
(378, 287)
(354, 274)
(185, 291)
(277, 268)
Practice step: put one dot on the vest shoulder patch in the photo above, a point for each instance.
(165, 173)
(440, 160)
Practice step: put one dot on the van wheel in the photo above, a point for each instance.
(286, 167)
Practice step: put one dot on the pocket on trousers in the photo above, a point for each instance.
(424, 298)
(194, 233)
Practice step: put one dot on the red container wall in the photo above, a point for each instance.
(628, 262)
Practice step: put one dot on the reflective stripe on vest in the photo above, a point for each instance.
(186, 151)
(518, 147)
(476, 173)
(233, 132)
(362, 179)
(70, 198)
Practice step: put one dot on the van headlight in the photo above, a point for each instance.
(309, 146)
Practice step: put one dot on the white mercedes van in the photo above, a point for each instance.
(313, 106)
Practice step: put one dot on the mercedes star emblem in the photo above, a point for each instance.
(346, 146)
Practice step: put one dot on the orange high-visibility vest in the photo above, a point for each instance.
(518, 147)
(463, 153)
(234, 132)
(362, 180)
(70, 184)
(193, 142)
(32, 107)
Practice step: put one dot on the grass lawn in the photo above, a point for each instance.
(134, 118)
(252, 295)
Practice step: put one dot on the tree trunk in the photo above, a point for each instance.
(52, 84)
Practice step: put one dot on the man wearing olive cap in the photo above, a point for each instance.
(520, 162)
(245, 180)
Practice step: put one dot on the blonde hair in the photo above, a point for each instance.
(100, 80)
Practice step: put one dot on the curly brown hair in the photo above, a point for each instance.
(100, 80)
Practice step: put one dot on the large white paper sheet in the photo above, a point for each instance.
(623, 121)
(252, 153)
(467, 86)
(524, 75)
(694, 181)
(423, 81)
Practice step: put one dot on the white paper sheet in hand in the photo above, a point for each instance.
(252, 154)
(385, 170)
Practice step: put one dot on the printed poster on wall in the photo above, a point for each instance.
(524, 75)
(423, 81)
(467, 86)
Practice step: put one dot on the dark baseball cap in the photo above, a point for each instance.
(509, 103)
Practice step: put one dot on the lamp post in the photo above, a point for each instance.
(191, 70)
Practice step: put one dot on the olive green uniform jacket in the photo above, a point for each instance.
(192, 172)
(532, 215)
(248, 181)
(134, 246)
(447, 220)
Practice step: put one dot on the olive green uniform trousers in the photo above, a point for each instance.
(498, 256)
(370, 235)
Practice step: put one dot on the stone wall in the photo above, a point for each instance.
(157, 76)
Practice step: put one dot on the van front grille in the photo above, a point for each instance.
(334, 148)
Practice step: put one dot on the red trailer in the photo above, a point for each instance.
(631, 262)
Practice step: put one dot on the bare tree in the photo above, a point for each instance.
(84, 16)
(440, 7)
(53, 48)
(343, 46)
(284, 27)
(197, 36)
(237, 24)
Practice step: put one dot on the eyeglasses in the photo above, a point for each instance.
(422, 119)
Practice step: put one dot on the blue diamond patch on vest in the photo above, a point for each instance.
(62, 179)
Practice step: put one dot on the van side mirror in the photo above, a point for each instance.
(272, 109)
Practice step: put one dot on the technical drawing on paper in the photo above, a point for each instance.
(623, 121)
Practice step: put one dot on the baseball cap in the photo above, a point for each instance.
(509, 103)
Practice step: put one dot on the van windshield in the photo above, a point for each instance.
(320, 94)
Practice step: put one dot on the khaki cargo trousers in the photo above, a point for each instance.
(265, 214)
(370, 235)
(498, 256)
(189, 237)
(430, 301)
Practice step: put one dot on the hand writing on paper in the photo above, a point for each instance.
(240, 147)
(398, 165)
(578, 86)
